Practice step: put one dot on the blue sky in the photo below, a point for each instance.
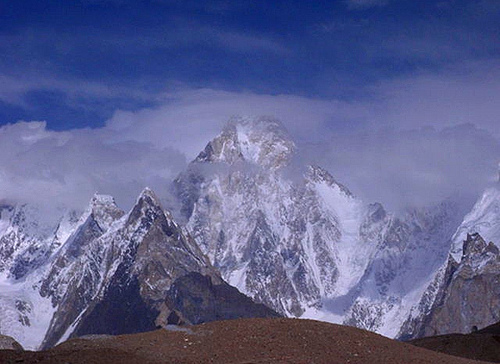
(73, 63)
(136, 88)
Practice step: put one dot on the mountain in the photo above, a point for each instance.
(25, 241)
(471, 289)
(119, 273)
(412, 249)
(304, 244)
(269, 237)
(465, 290)
(256, 223)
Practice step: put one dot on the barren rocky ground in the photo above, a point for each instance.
(238, 341)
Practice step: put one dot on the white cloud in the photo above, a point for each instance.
(414, 167)
(66, 168)
(189, 119)
(465, 94)
(381, 148)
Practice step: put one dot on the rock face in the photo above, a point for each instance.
(470, 294)
(112, 275)
(195, 299)
(484, 218)
(273, 239)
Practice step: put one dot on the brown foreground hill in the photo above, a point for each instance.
(481, 345)
(238, 341)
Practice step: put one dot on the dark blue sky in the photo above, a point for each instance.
(74, 63)
(398, 99)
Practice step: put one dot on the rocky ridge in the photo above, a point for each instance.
(114, 275)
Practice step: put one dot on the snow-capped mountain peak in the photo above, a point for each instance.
(260, 140)
(149, 194)
(306, 246)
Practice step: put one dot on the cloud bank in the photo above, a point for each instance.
(415, 142)
(55, 170)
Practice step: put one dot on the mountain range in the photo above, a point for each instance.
(256, 236)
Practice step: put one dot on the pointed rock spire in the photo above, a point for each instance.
(104, 210)
(147, 206)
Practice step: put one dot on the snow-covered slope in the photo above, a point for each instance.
(29, 251)
(26, 242)
(113, 272)
(412, 250)
(24, 314)
(26, 245)
(483, 219)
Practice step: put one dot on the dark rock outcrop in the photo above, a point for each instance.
(194, 299)
(8, 343)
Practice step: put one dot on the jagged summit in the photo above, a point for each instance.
(469, 292)
(103, 210)
(100, 199)
(147, 199)
(115, 280)
(303, 245)
(474, 244)
(319, 175)
(260, 140)
(306, 246)
(147, 206)
(148, 193)
(483, 219)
